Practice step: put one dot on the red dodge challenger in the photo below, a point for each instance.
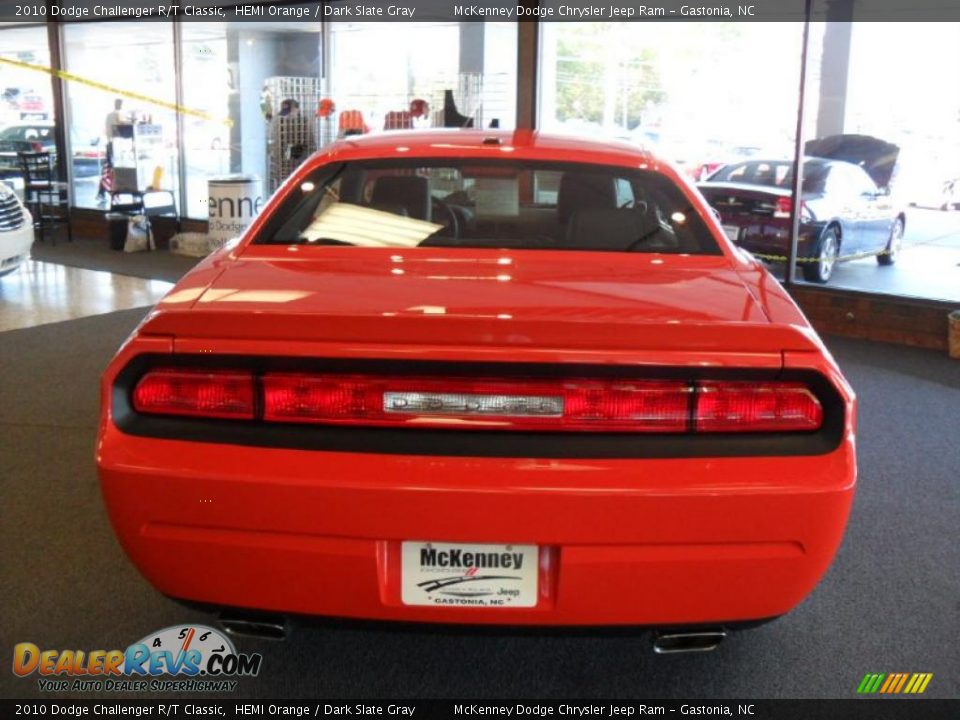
(481, 377)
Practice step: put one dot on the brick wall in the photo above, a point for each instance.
(887, 318)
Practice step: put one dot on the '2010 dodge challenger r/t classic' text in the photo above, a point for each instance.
(481, 377)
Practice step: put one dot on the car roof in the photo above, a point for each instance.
(491, 143)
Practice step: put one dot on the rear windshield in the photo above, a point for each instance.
(520, 205)
(777, 174)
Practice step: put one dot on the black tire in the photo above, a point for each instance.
(828, 247)
(894, 244)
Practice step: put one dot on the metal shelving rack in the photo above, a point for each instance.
(293, 136)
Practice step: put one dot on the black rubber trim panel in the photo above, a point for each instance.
(482, 443)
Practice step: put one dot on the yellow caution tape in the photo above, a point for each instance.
(841, 258)
(64, 75)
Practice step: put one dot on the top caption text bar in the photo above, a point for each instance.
(482, 10)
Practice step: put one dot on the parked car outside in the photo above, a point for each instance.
(843, 213)
(40, 137)
(25, 137)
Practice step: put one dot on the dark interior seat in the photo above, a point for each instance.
(580, 191)
(616, 229)
(408, 191)
(392, 208)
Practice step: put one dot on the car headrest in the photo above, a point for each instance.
(410, 191)
(584, 192)
(617, 229)
(392, 208)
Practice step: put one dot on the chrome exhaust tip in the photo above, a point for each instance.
(668, 643)
(266, 627)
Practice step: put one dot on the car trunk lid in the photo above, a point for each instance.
(877, 157)
(513, 300)
(739, 200)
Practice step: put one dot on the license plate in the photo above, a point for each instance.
(732, 231)
(464, 575)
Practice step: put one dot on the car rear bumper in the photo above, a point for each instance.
(772, 237)
(622, 542)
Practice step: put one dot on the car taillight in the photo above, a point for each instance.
(784, 207)
(37, 147)
(214, 394)
(613, 405)
(756, 407)
(596, 405)
(535, 404)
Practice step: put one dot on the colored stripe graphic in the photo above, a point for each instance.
(870, 683)
(903, 680)
(894, 683)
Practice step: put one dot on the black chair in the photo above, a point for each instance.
(153, 203)
(47, 198)
(159, 203)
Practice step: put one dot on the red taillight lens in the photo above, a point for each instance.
(574, 404)
(37, 147)
(785, 205)
(756, 407)
(783, 208)
(214, 394)
(545, 404)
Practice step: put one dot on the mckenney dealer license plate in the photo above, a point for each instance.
(469, 575)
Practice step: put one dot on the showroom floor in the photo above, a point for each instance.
(890, 603)
(44, 292)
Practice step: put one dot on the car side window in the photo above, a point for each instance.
(730, 173)
(624, 192)
(848, 181)
(839, 182)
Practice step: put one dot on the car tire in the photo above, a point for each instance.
(828, 247)
(894, 244)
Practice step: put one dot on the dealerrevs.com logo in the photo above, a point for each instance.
(199, 658)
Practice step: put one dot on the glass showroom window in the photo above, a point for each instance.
(242, 86)
(702, 94)
(26, 99)
(136, 61)
(882, 206)
(389, 76)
